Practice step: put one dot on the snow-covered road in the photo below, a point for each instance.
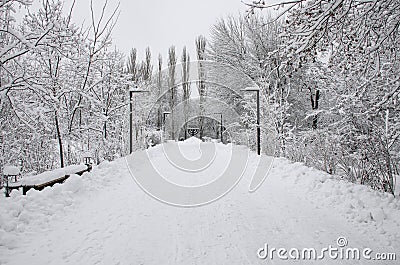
(105, 218)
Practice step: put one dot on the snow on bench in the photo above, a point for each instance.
(51, 175)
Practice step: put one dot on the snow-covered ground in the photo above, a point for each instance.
(104, 217)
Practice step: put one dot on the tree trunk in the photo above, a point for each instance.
(314, 106)
(60, 144)
(105, 130)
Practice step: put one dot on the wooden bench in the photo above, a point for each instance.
(39, 187)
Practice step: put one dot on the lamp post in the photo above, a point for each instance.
(131, 91)
(165, 113)
(221, 125)
(256, 89)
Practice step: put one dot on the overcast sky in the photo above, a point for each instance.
(161, 23)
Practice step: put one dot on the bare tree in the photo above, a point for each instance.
(100, 39)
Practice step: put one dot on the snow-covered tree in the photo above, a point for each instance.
(201, 43)
(173, 92)
(359, 43)
(185, 61)
(60, 67)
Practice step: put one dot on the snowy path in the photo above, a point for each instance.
(120, 224)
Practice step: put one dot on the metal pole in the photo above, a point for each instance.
(164, 117)
(130, 122)
(258, 124)
(221, 128)
(7, 191)
(164, 114)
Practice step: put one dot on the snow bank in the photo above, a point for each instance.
(192, 140)
(33, 212)
(359, 204)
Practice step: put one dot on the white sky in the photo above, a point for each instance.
(160, 23)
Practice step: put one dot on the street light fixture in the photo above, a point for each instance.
(131, 91)
(256, 89)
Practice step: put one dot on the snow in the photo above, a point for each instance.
(251, 89)
(192, 140)
(11, 171)
(50, 175)
(87, 154)
(104, 217)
